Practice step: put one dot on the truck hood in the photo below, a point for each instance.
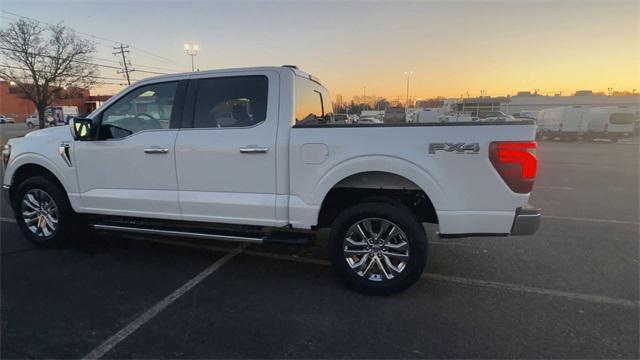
(57, 132)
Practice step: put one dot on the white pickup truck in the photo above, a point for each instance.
(253, 155)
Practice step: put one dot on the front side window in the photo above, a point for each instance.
(146, 108)
(233, 102)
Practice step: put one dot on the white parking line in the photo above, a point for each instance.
(534, 290)
(444, 278)
(106, 346)
(606, 221)
(157, 308)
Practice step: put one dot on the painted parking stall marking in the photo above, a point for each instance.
(438, 277)
(116, 338)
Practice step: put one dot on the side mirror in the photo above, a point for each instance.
(82, 129)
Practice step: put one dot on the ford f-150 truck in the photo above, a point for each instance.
(253, 155)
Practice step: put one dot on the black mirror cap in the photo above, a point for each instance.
(83, 129)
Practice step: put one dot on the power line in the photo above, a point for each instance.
(114, 42)
(97, 77)
(78, 61)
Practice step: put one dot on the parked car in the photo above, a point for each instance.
(394, 115)
(495, 116)
(4, 119)
(341, 118)
(611, 122)
(526, 115)
(32, 121)
(457, 117)
(369, 120)
(265, 174)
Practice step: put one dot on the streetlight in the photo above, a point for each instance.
(364, 97)
(408, 73)
(191, 50)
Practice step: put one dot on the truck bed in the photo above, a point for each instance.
(465, 189)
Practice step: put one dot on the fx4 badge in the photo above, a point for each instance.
(458, 148)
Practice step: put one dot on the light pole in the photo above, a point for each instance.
(192, 50)
(364, 97)
(406, 105)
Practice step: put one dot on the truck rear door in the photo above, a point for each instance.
(225, 152)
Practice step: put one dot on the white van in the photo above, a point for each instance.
(55, 115)
(430, 115)
(567, 122)
(611, 122)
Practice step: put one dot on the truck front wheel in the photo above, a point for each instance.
(378, 248)
(42, 211)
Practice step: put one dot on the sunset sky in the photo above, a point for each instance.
(452, 47)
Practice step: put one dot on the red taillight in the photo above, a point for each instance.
(516, 163)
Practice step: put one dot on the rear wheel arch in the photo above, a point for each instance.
(376, 186)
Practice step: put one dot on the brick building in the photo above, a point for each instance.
(14, 105)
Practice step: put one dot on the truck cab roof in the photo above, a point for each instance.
(186, 75)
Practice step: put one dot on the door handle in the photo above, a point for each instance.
(156, 151)
(253, 150)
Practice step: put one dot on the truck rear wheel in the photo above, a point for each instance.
(42, 211)
(378, 248)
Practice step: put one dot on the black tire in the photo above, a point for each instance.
(399, 216)
(64, 212)
(30, 125)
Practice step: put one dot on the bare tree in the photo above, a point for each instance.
(43, 60)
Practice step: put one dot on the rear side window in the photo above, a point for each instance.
(233, 102)
(308, 103)
(621, 119)
(313, 104)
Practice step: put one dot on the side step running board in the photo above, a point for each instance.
(277, 237)
(198, 235)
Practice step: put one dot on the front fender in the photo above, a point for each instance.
(28, 158)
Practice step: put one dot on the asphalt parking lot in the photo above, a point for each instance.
(8, 131)
(570, 291)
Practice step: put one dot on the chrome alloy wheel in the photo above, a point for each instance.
(39, 213)
(376, 249)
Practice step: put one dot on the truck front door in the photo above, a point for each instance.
(130, 169)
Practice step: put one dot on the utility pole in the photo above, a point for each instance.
(122, 50)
